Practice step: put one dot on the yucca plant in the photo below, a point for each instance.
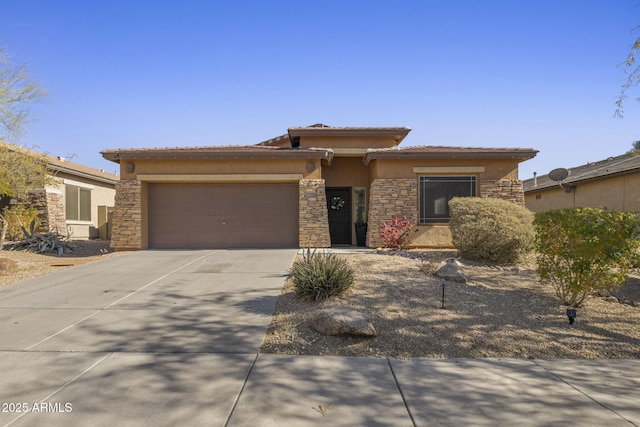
(320, 275)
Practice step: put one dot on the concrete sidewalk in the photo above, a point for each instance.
(169, 338)
(276, 390)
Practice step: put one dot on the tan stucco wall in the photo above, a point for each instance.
(346, 172)
(221, 166)
(348, 141)
(432, 236)
(619, 193)
(494, 169)
(102, 194)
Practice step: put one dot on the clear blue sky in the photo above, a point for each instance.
(133, 73)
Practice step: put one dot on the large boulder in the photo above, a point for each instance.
(338, 321)
(452, 270)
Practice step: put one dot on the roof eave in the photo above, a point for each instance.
(119, 155)
(521, 156)
(573, 183)
(74, 172)
(398, 133)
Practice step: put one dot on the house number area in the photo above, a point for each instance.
(24, 407)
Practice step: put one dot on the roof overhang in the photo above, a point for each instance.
(398, 133)
(195, 153)
(58, 164)
(626, 164)
(438, 152)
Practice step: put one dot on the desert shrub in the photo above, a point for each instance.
(397, 233)
(319, 275)
(583, 250)
(17, 216)
(494, 230)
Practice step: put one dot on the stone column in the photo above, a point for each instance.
(126, 233)
(390, 197)
(57, 221)
(507, 189)
(313, 221)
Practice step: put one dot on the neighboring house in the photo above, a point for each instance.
(77, 202)
(613, 183)
(306, 188)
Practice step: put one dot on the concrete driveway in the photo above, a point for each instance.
(166, 338)
(147, 338)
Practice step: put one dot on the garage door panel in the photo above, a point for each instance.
(223, 215)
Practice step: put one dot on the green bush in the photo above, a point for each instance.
(494, 230)
(319, 275)
(583, 250)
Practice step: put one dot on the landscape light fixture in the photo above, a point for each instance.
(571, 314)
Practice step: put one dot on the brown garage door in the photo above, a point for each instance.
(202, 216)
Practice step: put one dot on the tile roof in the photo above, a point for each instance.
(62, 165)
(275, 140)
(448, 152)
(619, 165)
(215, 152)
(322, 129)
(319, 130)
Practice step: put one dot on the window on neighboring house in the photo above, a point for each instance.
(77, 203)
(436, 191)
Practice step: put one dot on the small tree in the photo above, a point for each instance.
(21, 170)
(582, 250)
(17, 91)
(635, 148)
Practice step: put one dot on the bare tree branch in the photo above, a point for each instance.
(17, 91)
(632, 71)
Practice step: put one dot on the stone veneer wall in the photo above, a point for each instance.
(389, 197)
(507, 189)
(38, 200)
(56, 217)
(313, 221)
(50, 207)
(126, 233)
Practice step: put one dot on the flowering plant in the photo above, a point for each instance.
(397, 234)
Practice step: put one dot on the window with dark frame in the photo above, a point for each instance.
(435, 193)
(77, 203)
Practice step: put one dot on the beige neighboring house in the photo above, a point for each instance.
(78, 202)
(314, 186)
(613, 183)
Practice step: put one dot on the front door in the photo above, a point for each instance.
(339, 207)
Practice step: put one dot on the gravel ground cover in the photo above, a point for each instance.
(500, 312)
(29, 265)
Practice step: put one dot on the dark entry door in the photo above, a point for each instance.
(339, 207)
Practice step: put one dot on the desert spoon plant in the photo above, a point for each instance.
(319, 275)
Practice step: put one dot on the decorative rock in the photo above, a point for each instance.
(611, 299)
(337, 321)
(452, 270)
